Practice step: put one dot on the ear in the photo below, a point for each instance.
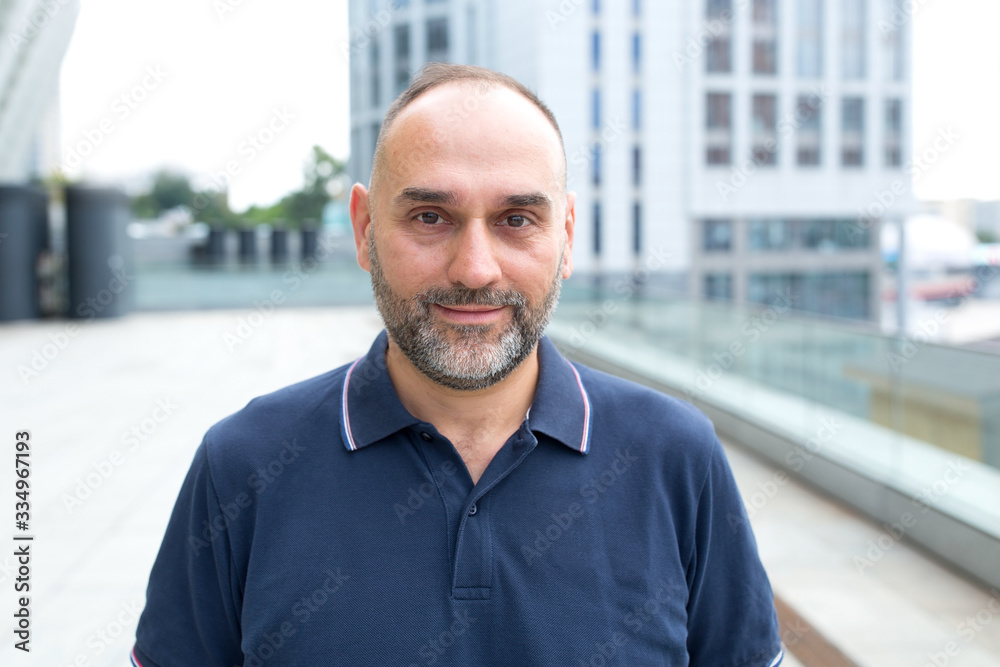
(567, 267)
(361, 220)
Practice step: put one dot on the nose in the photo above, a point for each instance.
(473, 260)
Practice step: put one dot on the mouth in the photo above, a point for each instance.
(470, 314)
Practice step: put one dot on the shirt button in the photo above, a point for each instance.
(426, 436)
(473, 510)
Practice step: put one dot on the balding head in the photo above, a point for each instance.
(477, 83)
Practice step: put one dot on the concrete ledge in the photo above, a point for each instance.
(948, 505)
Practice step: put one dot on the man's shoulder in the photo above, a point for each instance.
(298, 412)
(648, 417)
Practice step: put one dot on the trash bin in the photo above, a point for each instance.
(216, 249)
(248, 245)
(309, 240)
(99, 257)
(279, 246)
(24, 226)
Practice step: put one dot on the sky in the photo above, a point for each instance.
(236, 92)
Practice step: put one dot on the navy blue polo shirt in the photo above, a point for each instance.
(325, 525)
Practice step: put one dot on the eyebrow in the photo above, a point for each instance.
(526, 200)
(424, 196)
(420, 195)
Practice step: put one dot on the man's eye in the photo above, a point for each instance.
(429, 217)
(516, 221)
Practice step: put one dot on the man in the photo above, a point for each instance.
(461, 495)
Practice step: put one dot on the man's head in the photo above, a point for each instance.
(466, 227)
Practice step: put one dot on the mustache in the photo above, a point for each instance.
(464, 296)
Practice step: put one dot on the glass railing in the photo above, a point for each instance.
(946, 396)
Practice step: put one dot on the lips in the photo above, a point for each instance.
(470, 314)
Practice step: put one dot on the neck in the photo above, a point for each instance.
(477, 422)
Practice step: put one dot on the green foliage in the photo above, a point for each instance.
(171, 189)
(986, 236)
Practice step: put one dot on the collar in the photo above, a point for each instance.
(371, 409)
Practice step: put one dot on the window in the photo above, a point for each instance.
(636, 109)
(595, 51)
(401, 69)
(853, 132)
(808, 118)
(637, 228)
(596, 109)
(472, 38)
(893, 133)
(375, 67)
(437, 40)
(765, 37)
(715, 9)
(764, 127)
(718, 53)
(764, 235)
(853, 34)
(636, 53)
(830, 236)
(719, 286)
(718, 59)
(809, 55)
(597, 228)
(636, 166)
(893, 34)
(596, 165)
(717, 235)
(718, 128)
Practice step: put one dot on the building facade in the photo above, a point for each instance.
(756, 144)
(35, 35)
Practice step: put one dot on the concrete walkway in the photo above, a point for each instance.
(116, 410)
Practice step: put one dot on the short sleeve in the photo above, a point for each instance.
(731, 615)
(192, 609)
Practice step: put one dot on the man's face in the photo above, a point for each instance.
(472, 233)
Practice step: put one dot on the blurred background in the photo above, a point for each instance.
(788, 213)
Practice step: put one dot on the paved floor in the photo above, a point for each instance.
(116, 410)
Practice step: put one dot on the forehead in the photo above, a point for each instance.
(461, 137)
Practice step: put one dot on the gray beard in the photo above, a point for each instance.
(480, 356)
